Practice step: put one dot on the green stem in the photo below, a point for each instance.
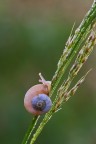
(30, 130)
(41, 126)
(78, 38)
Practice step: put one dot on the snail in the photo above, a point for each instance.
(36, 100)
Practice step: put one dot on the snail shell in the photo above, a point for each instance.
(36, 99)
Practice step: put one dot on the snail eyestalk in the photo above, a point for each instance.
(42, 80)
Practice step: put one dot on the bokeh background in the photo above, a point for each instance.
(32, 38)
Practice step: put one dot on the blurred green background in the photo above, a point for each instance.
(32, 38)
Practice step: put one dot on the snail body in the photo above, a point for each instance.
(36, 100)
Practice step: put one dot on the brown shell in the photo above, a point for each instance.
(34, 91)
